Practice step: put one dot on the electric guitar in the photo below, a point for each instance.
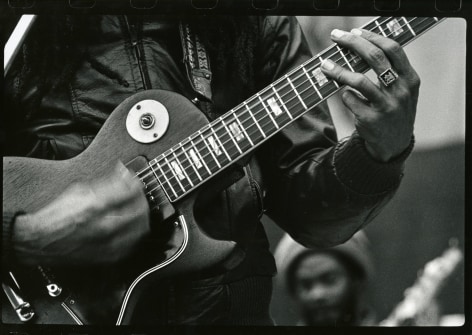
(174, 151)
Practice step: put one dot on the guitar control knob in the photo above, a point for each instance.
(147, 121)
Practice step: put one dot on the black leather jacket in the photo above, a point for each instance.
(318, 190)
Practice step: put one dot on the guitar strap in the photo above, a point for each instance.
(197, 64)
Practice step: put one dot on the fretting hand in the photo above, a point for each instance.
(384, 113)
(96, 222)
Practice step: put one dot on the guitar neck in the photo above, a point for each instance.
(190, 163)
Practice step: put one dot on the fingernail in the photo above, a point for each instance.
(327, 64)
(356, 31)
(337, 33)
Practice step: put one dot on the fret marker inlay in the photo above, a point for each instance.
(195, 159)
(177, 170)
(237, 133)
(395, 27)
(319, 76)
(214, 146)
(274, 106)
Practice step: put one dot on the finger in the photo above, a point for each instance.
(355, 102)
(371, 53)
(391, 48)
(118, 187)
(356, 80)
(128, 178)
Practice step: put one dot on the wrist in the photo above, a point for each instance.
(385, 157)
(360, 172)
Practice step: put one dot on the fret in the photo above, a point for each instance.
(296, 92)
(255, 121)
(320, 74)
(397, 30)
(224, 140)
(356, 62)
(167, 180)
(248, 124)
(333, 54)
(408, 25)
(267, 111)
(176, 177)
(177, 171)
(328, 86)
(232, 137)
(200, 154)
(194, 161)
(182, 168)
(320, 77)
(291, 101)
(273, 107)
(210, 151)
(421, 24)
(380, 28)
(344, 57)
(263, 118)
(248, 138)
(215, 145)
(281, 102)
(313, 84)
(305, 89)
(394, 27)
(201, 146)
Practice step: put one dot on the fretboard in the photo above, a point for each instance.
(199, 157)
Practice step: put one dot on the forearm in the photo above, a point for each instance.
(325, 199)
(96, 222)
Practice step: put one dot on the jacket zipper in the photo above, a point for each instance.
(138, 54)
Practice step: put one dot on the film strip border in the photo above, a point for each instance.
(286, 7)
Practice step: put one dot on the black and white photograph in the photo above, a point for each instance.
(299, 172)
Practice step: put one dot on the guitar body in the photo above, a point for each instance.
(108, 295)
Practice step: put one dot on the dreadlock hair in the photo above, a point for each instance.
(51, 52)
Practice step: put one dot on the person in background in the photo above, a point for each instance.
(328, 285)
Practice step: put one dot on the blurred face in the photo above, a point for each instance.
(323, 290)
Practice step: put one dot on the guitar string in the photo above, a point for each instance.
(231, 139)
(176, 186)
(189, 166)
